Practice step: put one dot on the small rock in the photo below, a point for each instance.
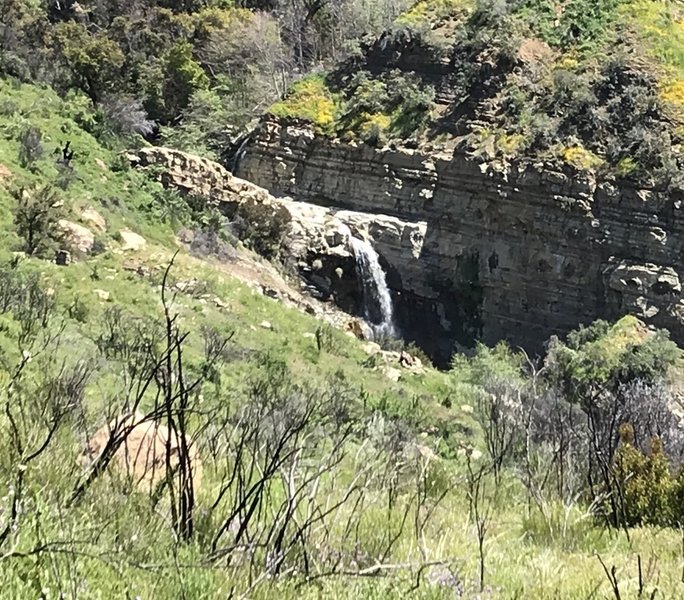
(138, 269)
(5, 173)
(185, 287)
(443, 576)
(410, 362)
(80, 238)
(416, 450)
(220, 303)
(371, 348)
(265, 325)
(339, 272)
(392, 374)
(63, 258)
(94, 219)
(100, 163)
(317, 265)
(467, 409)
(131, 240)
(390, 356)
(357, 328)
(471, 452)
(186, 236)
(309, 336)
(102, 295)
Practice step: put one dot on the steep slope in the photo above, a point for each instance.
(76, 336)
(540, 141)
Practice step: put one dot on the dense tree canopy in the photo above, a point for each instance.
(188, 63)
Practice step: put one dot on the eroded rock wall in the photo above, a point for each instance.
(509, 252)
(317, 243)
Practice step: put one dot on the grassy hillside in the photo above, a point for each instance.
(396, 478)
(596, 84)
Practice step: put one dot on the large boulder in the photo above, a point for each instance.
(94, 219)
(79, 238)
(142, 458)
(643, 289)
(131, 240)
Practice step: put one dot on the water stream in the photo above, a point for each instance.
(239, 155)
(377, 302)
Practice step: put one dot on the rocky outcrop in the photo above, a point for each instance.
(318, 239)
(503, 251)
(131, 240)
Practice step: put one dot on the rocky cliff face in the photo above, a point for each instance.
(317, 242)
(516, 252)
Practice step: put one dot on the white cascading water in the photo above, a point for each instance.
(239, 155)
(377, 302)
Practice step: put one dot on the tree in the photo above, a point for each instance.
(183, 76)
(94, 60)
(36, 219)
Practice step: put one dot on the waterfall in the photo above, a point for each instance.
(239, 155)
(377, 302)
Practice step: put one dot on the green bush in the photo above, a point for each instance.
(310, 99)
(36, 219)
(30, 147)
(648, 493)
(604, 356)
(262, 227)
(396, 104)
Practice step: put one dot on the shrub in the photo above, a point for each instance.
(202, 128)
(328, 340)
(262, 226)
(171, 207)
(78, 310)
(648, 490)
(604, 356)
(206, 241)
(36, 219)
(125, 115)
(94, 60)
(425, 12)
(417, 352)
(415, 103)
(30, 146)
(581, 158)
(183, 77)
(626, 166)
(396, 103)
(310, 99)
(373, 131)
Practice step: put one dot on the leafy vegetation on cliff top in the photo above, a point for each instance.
(594, 84)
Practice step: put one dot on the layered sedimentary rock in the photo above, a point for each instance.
(516, 252)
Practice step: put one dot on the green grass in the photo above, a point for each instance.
(123, 197)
